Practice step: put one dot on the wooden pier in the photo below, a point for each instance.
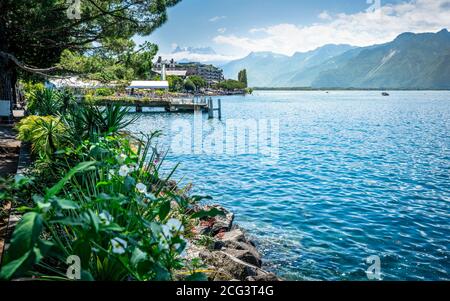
(180, 105)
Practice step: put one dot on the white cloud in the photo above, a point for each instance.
(217, 18)
(222, 30)
(197, 57)
(360, 29)
(324, 15)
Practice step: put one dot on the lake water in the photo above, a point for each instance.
(355, 175)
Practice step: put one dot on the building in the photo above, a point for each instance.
(149, 85)
(180, 73)
(210, 73)
(170, 65)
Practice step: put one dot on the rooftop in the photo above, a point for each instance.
(149, 84)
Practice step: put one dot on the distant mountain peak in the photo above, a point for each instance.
(423, 64)
(404, 36)
(412, 60)
(411, 35)
(264, 54)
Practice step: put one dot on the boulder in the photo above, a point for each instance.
(236, 244)
(234, 235)
(222, 223)
(214, 225)
(249, 256)
(220, 275)
(233, 257)
(263, 276)
(234, 267)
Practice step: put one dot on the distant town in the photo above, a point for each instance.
(198, 77)
(211, 74)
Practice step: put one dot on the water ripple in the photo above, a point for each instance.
(358, 175)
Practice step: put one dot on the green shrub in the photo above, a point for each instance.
(45, 102)
(114, 212)
(88, 121)
(104, 92)
(14, 190)
(160, 93)
(189, 85)
(47, 134)
(231, 85)
(97, 193)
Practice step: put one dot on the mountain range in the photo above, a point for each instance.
(411, 61)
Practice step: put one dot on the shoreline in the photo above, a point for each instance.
(229, 255)
(343, 89)
(220, 244)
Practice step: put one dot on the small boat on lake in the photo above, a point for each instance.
(385, 94)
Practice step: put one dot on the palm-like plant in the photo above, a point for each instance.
(89, 121)
(44, 102)
(47, 134)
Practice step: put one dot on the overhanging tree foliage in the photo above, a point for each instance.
(34, 34)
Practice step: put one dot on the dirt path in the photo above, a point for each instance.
(9, 150)
(9, 158)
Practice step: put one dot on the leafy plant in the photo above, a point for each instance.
(113, 211)
(46, 133)
(104, 92)
(105, 201)
(89, 121)
(43, 102)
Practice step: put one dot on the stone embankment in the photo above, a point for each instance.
(228, 253)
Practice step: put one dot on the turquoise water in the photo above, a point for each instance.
(358, 175)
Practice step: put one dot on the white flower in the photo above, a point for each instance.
(174, 225)
(133, 168)
(119, 245)
(184, 253)
(105, 217)
(121, 158)
(124, 171)
(111, 173)
(141, 188)
(166, 231)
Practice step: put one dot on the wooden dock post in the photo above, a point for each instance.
(138, 109)
(210, 108)
(220, 108)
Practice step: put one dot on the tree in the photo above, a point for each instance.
(198, 81)
(189, 85)
(176, 83)
(231, 85)
(242, 77)
(34, 34)
(124, 63)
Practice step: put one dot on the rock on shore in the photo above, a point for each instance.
(230, 255)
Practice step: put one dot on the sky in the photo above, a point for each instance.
(235, 28)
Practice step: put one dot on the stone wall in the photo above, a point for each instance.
(230, 256)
